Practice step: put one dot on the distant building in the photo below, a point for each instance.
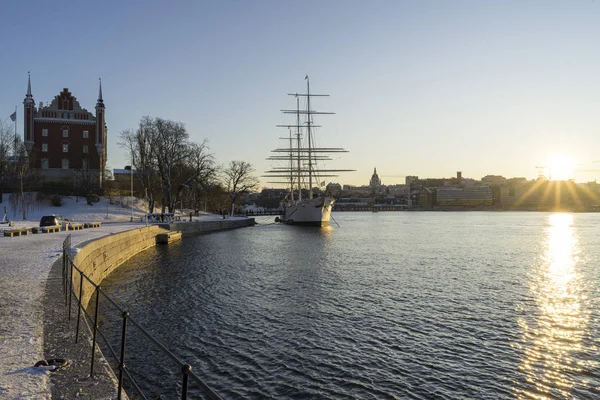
(123, 179)
(375, 181)
(334, 189)
(64, 139)
(398, 190)
(472, 196)
(494, 179)
(124, 174)
(410, 179)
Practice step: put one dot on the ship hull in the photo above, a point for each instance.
(314, 212)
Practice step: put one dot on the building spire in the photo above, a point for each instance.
(29, 84)
(28, 96)
(100, 102)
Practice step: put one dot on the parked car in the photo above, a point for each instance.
(55, 220)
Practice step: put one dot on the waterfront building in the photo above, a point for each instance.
(65, 141)
(398, 190)
(471, 196)
(334, 189)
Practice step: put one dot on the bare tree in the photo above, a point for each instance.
(85, 179)
(169, 145)
(138, 144)
(198, 172)
(239, 179)
(164, 158)
(7, 141)
(22, 170)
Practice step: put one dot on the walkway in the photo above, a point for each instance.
(25, 266)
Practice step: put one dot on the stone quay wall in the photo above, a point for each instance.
(100, 257)
(200, 227)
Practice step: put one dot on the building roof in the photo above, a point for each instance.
(124, 171)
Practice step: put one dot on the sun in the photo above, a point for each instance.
(560, 166)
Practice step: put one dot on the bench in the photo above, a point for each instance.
(75, 227)
(50, 229)
(92, 224)
(17, 232)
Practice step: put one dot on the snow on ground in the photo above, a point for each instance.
(25, 264)
(76, 209)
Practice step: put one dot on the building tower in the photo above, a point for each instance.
(100, 131)
(375, 181)
(28, 113)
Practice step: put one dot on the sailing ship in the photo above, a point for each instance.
(313, 207)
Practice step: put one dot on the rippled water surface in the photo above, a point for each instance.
(386, 305)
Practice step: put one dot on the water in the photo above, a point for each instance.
(388, 305)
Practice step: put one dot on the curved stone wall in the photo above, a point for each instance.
(100, 257)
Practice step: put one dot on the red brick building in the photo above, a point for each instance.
(65, 141)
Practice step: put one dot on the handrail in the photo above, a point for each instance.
(69, 268)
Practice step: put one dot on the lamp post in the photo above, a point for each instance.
(181, 197)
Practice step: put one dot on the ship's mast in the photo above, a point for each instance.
(291, 167)
(308, 120)
(307, 156)
(298, 135)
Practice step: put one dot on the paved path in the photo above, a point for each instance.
(25, 264)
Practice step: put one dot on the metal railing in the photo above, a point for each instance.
(70, 285)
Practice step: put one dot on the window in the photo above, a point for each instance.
(44, 132)
(85, 149)
(44, 147)
(84, 164)
(65, 163)
(44, 163)
(85, 134)
(65, 133)
(65, 148)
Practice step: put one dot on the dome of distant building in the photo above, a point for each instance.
(375, 181)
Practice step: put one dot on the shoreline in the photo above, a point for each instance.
(27, 274)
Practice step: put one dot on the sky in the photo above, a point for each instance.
(424, 88)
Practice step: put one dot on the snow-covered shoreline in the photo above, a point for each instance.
(25, 265)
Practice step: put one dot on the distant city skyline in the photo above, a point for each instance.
(419, 88)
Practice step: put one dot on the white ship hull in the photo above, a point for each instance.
(314, 212)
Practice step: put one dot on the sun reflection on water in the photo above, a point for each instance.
(552, 337)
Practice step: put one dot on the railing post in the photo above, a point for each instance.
(95, 330)
(122, 362)
(79, 304)
(185, 370)
(64, 268)
(70, 288)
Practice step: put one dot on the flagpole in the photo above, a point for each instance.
(15, 141)
(15, 125)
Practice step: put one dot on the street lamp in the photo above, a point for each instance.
(181, 196)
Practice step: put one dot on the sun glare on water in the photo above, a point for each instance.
(560, 166)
